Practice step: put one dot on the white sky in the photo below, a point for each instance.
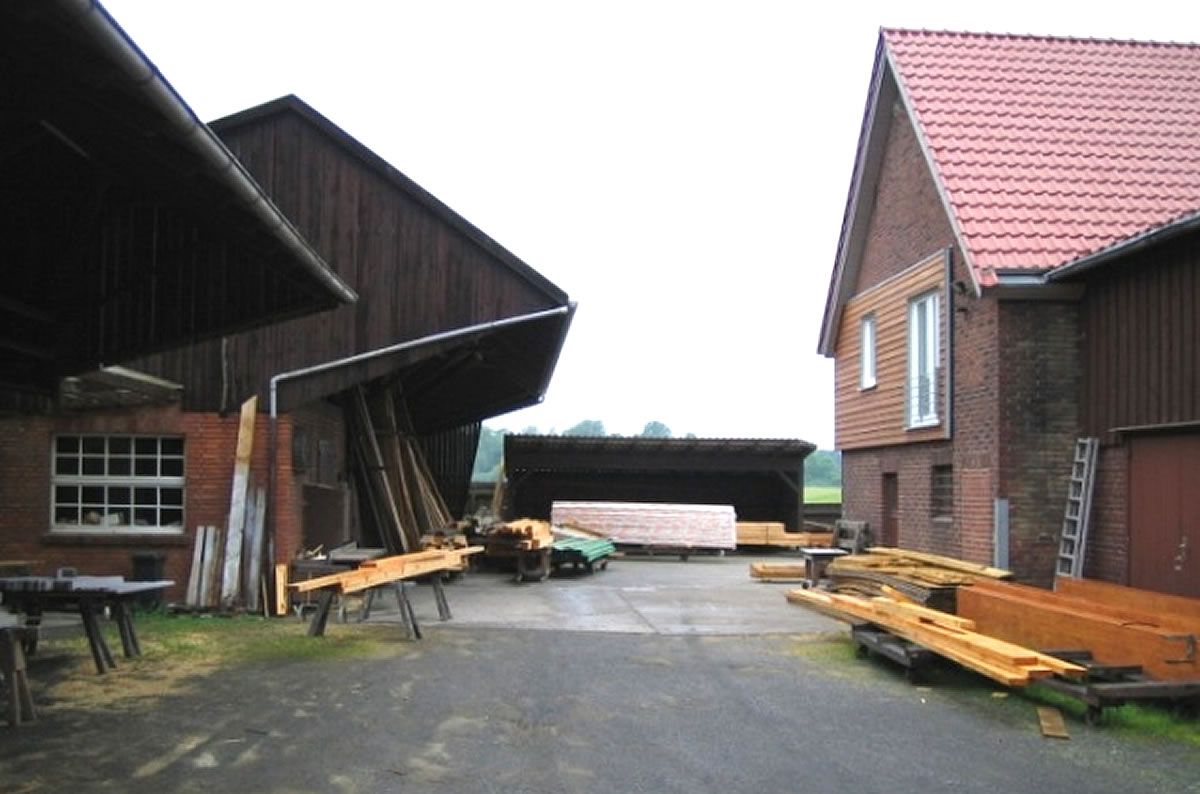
(678, 168)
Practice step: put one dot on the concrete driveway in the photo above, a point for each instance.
(636, 679)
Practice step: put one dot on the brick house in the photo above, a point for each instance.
(1017, 269)
(129, 461)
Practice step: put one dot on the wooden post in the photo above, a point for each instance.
(231, 581)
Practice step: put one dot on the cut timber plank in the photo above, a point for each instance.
(209, 573)
(1169, 607)
(903, 609)
(281, 588)
(253, 547)
(766, 570)
(1052, 724)
(387, 569)
(193, 587)
(231, 580)
(1124, 613)
(1041, 622)
(939, 561)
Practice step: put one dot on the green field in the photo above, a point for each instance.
(822, 494)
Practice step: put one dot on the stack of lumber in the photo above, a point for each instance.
(772, 533)
(524, 534)
(655, 525)
(951, 636)
(1117, 625)
(383, 570)
(394, 484)
(929, 579)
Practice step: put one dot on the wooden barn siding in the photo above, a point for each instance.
(876, 417)
(1142, 340)
(414, 274)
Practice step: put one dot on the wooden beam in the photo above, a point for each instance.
(1170, 607)
(231, 580)
(1161, 652)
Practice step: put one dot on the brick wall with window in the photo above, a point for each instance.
(913, 465)
(74, 496)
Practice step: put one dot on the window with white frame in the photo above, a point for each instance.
(867, 367)
(922, 360)
(117, 483)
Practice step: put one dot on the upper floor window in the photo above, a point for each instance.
(922, 360)
(867, 369)
(117, 483)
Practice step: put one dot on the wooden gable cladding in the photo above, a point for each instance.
(421, 271)
(876, 416)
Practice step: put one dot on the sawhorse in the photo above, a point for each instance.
(316, 627)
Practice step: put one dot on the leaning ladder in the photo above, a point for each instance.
(1073, 543)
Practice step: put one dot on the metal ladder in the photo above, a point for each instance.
(1073, 544)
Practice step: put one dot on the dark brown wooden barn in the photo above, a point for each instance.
(762, 478)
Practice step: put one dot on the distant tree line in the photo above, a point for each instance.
(821, 468)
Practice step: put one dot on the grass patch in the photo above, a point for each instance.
(1149, 720)
(822, 494)
(179, 651)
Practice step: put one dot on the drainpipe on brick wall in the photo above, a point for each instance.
(357, 358)
(951, 310)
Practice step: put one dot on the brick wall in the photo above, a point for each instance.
(908, 223)
(1039, 386)
(210, 442)
(1108, 538)
(862, 493)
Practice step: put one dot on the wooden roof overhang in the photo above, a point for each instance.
(127, 226)
(638, 454)
(456, 377)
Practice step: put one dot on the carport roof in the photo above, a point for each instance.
(591, 453)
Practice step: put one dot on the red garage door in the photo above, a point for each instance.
(1164, 514)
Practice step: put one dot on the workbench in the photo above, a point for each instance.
(33, 596)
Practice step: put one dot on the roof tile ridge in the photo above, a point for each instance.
(890, 32)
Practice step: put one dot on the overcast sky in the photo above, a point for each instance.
(678, 168)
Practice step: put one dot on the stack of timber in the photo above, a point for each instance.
(1115, 625)
(226, 567)
(951, 636)
(394, 484)
(653, 525)
(523, 534)
(928, 579)
(773, 533)
(384, 570)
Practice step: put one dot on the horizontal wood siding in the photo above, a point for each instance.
(1142, 340)
(415, 273)
(876, 417)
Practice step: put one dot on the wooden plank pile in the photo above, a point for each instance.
(384, 570)
(392, 478)
(1116, 625)
(929, 579)
(773, 533)
(523, 534)
(227, 564)
(951, 636)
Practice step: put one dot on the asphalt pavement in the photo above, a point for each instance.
(654, 676)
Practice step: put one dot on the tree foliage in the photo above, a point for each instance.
(823, 467)
(656, 429)
(588, 427)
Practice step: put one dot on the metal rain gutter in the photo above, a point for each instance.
(91, 17)
(1129, 245)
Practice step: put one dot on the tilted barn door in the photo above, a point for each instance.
(1164, 514)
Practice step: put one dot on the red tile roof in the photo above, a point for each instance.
(1049, 149)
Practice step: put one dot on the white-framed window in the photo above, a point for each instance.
(867, 365)
(117, 483)
(922, 387)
